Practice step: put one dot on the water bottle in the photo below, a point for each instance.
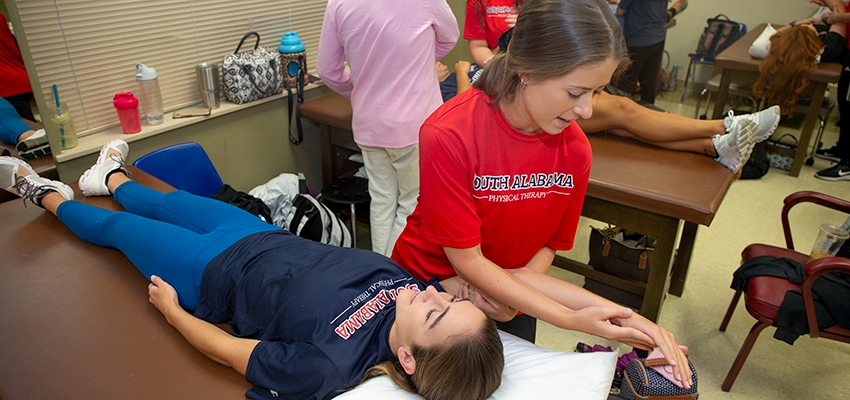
(293, 58)
(149, 94)
(127, 106)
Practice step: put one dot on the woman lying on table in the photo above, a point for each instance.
(308, 320)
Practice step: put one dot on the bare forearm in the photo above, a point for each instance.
(561, 291)
(484, 275)
(213, 342)
(480, 52)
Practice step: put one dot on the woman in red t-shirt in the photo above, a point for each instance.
(504, 172)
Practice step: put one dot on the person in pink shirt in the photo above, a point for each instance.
(391, 48)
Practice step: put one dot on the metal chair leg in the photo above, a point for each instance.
(742, 355)
(730, 311)
(687, 77)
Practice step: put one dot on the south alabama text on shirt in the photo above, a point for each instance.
(369, 309)
(530, 183)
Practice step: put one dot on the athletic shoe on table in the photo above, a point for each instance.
(111, 159)
(734, 148)
(767, 120)
(33, 147)
(18, 177)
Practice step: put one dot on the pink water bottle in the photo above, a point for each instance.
(127, 106)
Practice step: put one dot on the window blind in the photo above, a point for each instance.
(89, 48)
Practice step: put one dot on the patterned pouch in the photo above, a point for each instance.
(641, 381)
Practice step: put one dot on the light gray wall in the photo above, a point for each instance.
(682, 38)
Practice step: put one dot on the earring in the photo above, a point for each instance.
(524, 83)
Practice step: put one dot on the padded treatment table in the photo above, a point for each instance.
(635, 186)
(736, 59)
(77, 323)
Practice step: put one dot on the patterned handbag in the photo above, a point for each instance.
(252, 75)
(642, 382)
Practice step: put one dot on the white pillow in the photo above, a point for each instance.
(531, 372)
(761, 46)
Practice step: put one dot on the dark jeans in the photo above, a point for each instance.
(843, 146)
(646, 63)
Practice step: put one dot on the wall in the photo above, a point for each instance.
(682, 38)
(247, 147)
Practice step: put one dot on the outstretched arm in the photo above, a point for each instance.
(483, 274)
(204, 336)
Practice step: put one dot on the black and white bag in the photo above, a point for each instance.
(252, 75)
(293, 208)
(720, 32)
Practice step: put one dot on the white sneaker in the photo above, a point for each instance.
(767, 121)
(11, 169)
(34, 146)
(18, 177)
(112, 155)
(734, 148)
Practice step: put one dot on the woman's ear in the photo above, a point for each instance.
(405, 358)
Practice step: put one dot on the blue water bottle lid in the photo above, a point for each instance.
(290, 43)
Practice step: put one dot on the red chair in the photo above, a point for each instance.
(764, 294)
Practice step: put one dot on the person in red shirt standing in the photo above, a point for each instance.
(14, 82)
(504, 169)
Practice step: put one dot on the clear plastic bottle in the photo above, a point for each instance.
(149, 94)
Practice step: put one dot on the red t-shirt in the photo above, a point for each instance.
(13, 73)
(484, 182)
(495, 12)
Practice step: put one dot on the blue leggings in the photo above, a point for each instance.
(11, 125)
(172, 235)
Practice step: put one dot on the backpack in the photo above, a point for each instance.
(311, 219)
(293, 208)
(244, 201)
(719, 34)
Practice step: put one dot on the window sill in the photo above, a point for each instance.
(92, 144)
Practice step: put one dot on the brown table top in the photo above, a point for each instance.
(676, 184)
(332, 109)
(77, 323)
(737, 57)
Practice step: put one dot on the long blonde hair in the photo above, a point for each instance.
(783, 73)
(468, 368)
(553, 38)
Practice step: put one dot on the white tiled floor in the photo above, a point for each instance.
(811, 368)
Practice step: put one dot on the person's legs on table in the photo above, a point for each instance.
(22, 104)
(30, 143)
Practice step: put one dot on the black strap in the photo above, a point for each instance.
(299, 90)
(247, 35)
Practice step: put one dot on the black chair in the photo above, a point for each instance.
(348, 191)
